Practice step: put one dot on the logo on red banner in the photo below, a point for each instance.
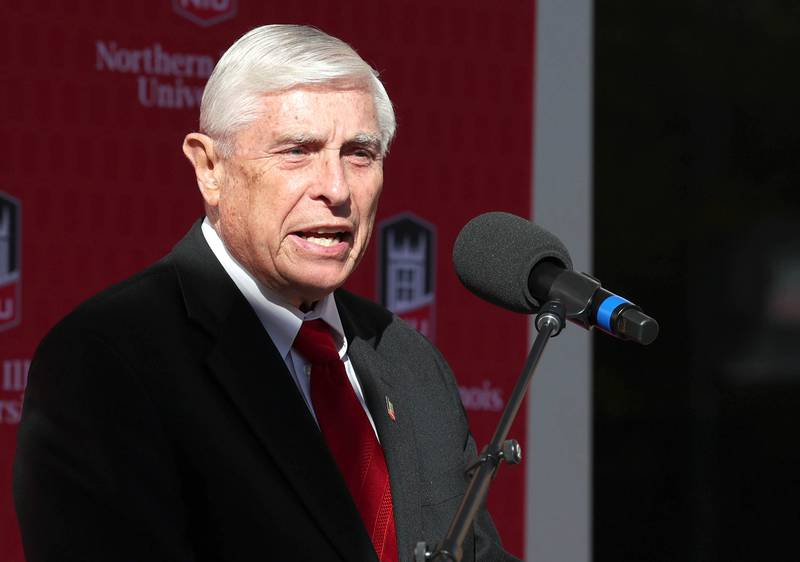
(407, 270)
(486, 398)
(13, 378)
(205, 13)
(10, 271)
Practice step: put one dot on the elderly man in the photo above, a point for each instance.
(231, 402)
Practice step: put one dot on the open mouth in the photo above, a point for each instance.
(325, 239)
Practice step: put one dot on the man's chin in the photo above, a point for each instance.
(309, 289)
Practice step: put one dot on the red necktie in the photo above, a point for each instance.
(349, 436)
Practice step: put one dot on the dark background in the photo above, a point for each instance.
(696, 218)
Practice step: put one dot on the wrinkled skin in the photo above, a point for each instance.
(295, 203)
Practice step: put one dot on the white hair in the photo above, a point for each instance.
(272, 58)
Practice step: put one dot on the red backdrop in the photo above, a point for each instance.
(97, 99)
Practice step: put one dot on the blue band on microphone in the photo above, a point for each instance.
(606, 309)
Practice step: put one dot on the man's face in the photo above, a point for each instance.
(298, 197)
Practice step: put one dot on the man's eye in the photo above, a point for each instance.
(362, 155)
(297, 151)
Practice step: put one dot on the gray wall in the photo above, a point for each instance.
(558, 453)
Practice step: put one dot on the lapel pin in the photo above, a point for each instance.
(390, 410)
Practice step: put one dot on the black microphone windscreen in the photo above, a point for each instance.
(495, 253)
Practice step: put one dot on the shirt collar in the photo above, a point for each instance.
(281, 320)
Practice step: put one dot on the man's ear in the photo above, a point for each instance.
(199, 149)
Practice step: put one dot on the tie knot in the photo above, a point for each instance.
(315, 342)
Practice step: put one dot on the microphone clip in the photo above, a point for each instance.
(553, 314)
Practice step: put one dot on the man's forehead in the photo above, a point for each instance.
(318, 111)
(294, 100)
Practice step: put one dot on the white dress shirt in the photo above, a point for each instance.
(282, 321)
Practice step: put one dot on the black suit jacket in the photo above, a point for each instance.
(160, 423)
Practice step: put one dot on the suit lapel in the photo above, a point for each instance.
(250, 370)
(380, 382)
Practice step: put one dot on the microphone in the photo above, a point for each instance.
(515, 264)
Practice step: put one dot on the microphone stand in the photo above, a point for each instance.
(549, 322)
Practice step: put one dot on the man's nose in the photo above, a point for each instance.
(332, 184)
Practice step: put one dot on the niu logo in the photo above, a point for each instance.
(407, 266)
(205, 13)
(10, 259)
